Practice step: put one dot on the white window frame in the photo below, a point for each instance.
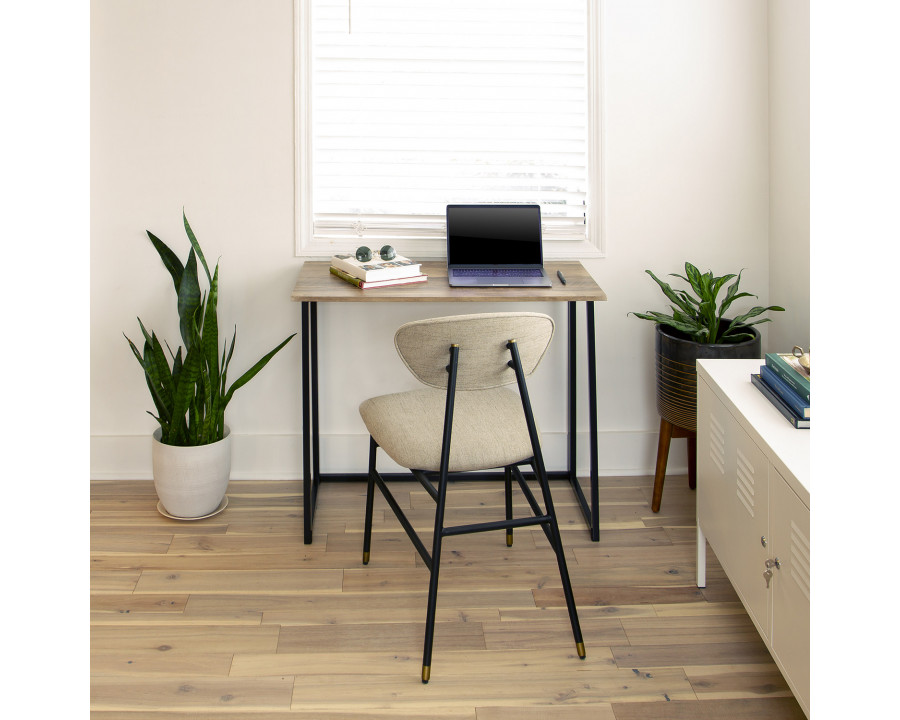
(593, 246)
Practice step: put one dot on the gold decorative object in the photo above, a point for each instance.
(802, 357)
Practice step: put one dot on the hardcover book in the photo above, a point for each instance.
(365, 284)
(772, 396)
(376, 269)
(789, 369)
(790, 396)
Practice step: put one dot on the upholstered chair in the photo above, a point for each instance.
(466, 417)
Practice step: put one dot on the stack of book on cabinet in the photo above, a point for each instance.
(377, 272)
(785, 382)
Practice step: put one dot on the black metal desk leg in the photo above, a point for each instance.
(592, 420)
(572, 384)
(305, 416)
(310, 372)
(591, 512)
(314, 396)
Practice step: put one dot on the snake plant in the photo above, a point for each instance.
(698, 316)
(191, 392)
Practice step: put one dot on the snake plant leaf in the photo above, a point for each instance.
(162, 378)
(188, 299)
(177, 363)
(251, 373)
(185, 412)
(152, 382)
(205, 421)
(184, 394)
(227, 361)
(162, 423)
(195, 246)
(158, 357)
(159, 375)
(169, 259)
(210, 338)
(156, 380)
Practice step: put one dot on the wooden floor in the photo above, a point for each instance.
(234, 614)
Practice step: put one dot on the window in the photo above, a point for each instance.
(406, 106)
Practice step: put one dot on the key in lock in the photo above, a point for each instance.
(770, 563)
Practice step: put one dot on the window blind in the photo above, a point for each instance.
(416, 104)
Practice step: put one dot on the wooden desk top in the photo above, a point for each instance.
(316, 284)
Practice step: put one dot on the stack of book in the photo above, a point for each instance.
(785, 382)
(377, 272)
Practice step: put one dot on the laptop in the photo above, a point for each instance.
(495, 246)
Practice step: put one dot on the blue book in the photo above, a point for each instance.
(774, 398)
(790, 396)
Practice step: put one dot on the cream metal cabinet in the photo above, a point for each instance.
(753, 482)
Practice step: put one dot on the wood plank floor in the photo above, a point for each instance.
(234, 614)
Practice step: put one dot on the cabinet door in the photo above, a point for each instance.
(712, 487)
(732, 502)
(748, 472)
(790, 586)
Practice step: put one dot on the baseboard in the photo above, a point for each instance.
(279, 457)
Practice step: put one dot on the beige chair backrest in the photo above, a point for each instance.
(424, 346)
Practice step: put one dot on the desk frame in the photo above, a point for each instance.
(316, 284)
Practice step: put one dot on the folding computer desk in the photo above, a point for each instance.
(316, 284)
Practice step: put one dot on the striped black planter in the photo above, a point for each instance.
(676, 371)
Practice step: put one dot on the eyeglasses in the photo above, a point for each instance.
(364, 254)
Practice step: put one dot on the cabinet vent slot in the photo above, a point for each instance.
(746, 482)
(800, 559)
(717, 443)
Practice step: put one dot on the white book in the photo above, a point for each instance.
(376, 268)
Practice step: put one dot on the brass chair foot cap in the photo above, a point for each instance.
(580, 647)
(426, 673)
(365, 558)
(509, 539)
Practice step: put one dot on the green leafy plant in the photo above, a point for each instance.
(190, 394)
(698, 316)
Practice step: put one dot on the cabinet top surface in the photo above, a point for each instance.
(786, 446)
(316, 284)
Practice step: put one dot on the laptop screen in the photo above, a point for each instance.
(494, 235)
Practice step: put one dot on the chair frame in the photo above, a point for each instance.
(545, 518)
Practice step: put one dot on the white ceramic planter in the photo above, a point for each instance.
(191, 481)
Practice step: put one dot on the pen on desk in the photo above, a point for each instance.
(562, 278)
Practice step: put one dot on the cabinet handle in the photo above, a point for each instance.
(764, 541)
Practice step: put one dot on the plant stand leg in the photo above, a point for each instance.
(662, 458)
(692, 458)
(667, 431)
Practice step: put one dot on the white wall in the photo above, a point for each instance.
(192, 107)
(789, 256)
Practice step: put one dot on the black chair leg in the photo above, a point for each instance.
(433, 584)
(370, 501)
(561, 559)
(538, 465)
(507, 477)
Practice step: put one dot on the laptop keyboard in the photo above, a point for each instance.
(498, 272)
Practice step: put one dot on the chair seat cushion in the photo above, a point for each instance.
(489, 429)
